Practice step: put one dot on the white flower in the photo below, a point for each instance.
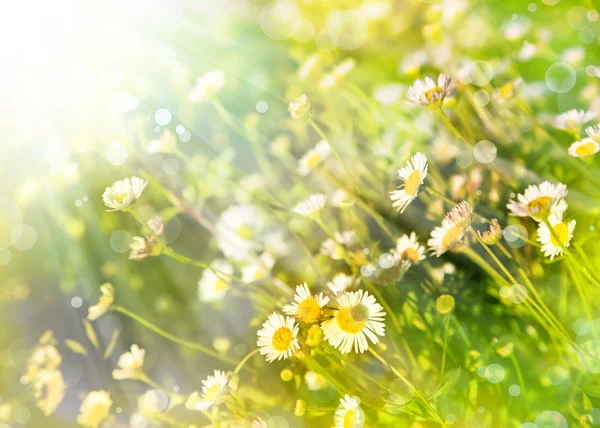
(334, 248)
(106, 300)
(130, 364)
(593, 132)
(255, 271)
(305, 306)
(213, 286)
(408, 251)
(312, 206)
(214, 389)
(235, 231)
(166, 143)
(445, 237)
(314, 381)
(358, 317)
(122, 194)
(94, 409)
(278, 337)
(506, 91)
(461, 214)
(551, 246)
(208, 84)
(539, 201)
(314, 157)
(412, 63)
(300, 107)
(342, 282)
(584, 148)
(427, 92)
(349, 413)
(412, 175)
(388, 94)
(573, 119)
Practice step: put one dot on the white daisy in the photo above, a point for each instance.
(506, 91)
(130, 364)
(412, 63)
(584, 148)
(445, 237)
(358, 317)
(208, 84)
(314, 381)
(94, 409)
(123, 194)
(593, 132)
(408, 251)
(213, 286)
(413, 175)
(349, 414)
(258, 270)
(314, 157)
(334, 248)
(427, 92)
(214, 389)
(106, 300)
(493, 234)
(299, 107)
(278, 337)
(342, 282)
(312, 206)
(573, 119)
(235, 231)
(461, 215)
(306, 307)
(539, 201)
(551, 246)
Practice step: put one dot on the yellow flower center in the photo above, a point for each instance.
(352, 319)
(505, 91)
(282, 339)
(412, 183)
(561, 230)
(540, 204)
(245, 232)
(221, 285)
(314, 160)
(120, 197)
(350, 419)
(451, 237)
(309, 310)
(586, 149)
(434, 93)
(410, 254)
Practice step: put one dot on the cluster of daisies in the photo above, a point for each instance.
(572, 121)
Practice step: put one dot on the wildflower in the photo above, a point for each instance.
(300, 408)
(342, 282)
(358, 317)
(95, 409)
(584, 148)
(44, 374)
(444, 304)
(258, 270)
(335, 248)
(314, 381)
(277, 338)
(461, 215)
(342, 199)
(493, 235)
(593, 132)
(122, 195)
(156, 225)
(214, 284)
(280, 146)
(142, 247)
(412, 63)
(413, 175)
(106, 300)
(408, 251)
(207, 85)
(214, 389)
(341, 70)
(539, 201)
(314, 157)
(573, 119)
(553, 242)
(235, 231)
(164, 144)
(314, 336)
(312, 206)
(506, 91)
(300, 107)
(349, 413)
(428, 93)
(306, 307)
(130, 364)
(446, 237)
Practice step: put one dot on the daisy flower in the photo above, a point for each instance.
(427, 92)
(208, 84)
(142, 247)
(445, 237)
(349, 413)
(123, 194)
(358, 317)
(408, 251)
(412, 63)
(553, 243)
(334, 248)
(258, 270)
(342, 282)
(306, 307)
(278, 337)
(539, 201)
(94, 409)
(312, 206)
(299, 107)
(106, 300)
(314, 157)
(506, 91)
(493, 234)
(593, 132)
(213, 286)
(584, 148)
(573, 119)
(461, 215)
(214, 389)
(413, 175)
(235, 231)
(130, 364)
(314, 381)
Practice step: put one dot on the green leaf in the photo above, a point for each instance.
(587, 403)
(593, 390)
(451, 378)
